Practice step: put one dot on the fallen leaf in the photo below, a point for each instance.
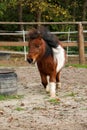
(22, 104)
(10, 119)
(1, 112)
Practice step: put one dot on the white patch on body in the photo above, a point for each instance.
(59, 57)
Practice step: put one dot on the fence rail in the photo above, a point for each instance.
(43, 23)
(80, 42)
(10, 43)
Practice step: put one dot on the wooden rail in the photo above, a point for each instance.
(11, 43)
(43, 23)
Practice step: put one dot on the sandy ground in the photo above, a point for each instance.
(36, 111)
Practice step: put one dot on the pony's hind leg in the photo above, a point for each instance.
(58, 83)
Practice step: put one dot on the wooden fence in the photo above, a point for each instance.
(80, 42)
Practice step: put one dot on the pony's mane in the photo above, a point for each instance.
(43, 32)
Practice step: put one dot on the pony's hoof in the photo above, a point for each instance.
(53, 95)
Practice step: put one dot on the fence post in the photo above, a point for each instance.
(24, 46)
(81, 44)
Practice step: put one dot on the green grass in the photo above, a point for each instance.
(76, 65)
(54, 101)
(85, 108)
(5, 97)
(19, 109)
(2, 65)
(70, 94)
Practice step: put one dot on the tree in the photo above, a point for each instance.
(3, 8)
(43, 10)
(84, 10)
(20, 14)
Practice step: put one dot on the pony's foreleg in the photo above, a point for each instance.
(44, 80)
(58, 83)
(52, 85)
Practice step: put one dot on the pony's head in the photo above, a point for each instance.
(36, 46)
(40, 43)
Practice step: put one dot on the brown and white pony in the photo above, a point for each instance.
(47, 51)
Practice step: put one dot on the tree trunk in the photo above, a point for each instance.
(84, 10)
(38, 18)
(20, 15)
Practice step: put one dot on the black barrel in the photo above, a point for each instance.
(4, 56)
(8, 82)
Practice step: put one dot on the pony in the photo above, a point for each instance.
(47, 51)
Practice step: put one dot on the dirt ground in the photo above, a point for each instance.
(36, 111)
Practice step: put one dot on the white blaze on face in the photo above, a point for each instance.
(59, 57)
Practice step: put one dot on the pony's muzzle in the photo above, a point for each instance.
(30, 60)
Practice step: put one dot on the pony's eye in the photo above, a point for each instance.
(37, 46)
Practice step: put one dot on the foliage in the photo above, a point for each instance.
(2, 9)
(43, 10)
(52, 10)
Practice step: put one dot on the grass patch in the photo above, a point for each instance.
(76, 65)
(84, 108)
(7, 97)
(71, 94)
(6, 65)
(19, 109)
(1, 64)
(54, 101)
